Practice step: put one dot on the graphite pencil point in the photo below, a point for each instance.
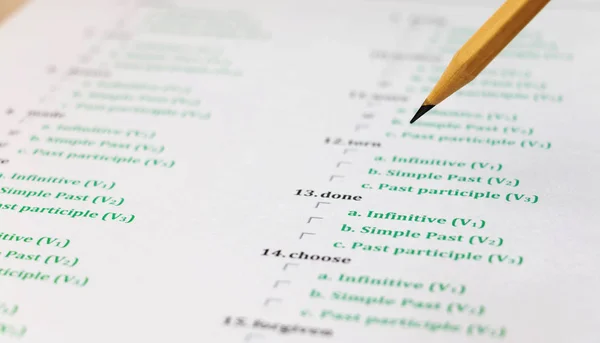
(422, 110)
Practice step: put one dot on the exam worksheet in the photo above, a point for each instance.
(245, 171)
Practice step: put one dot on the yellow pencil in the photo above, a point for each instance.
(7, 7)
(481, 49)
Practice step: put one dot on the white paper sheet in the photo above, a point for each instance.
(245, 172)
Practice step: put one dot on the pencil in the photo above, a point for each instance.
(499, 30)
(7, 7)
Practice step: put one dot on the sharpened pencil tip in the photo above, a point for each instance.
(422, 110)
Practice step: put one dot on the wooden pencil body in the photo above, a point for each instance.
(7, 7)
(484, 46)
